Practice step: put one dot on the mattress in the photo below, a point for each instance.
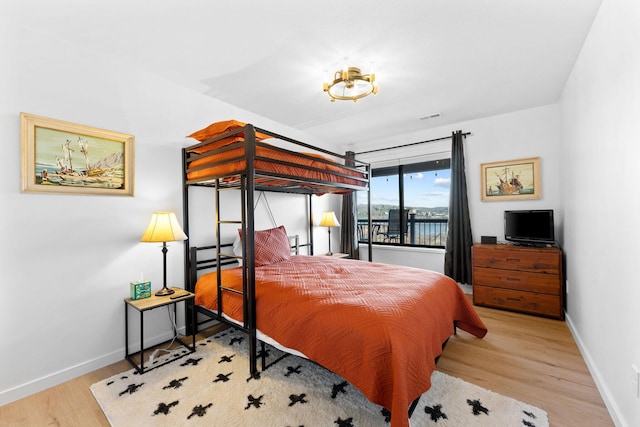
(310, 170)
(379, 326)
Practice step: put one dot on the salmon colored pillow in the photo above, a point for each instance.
(271, 246)
(217, 129)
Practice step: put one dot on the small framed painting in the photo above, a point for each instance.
(63, 157)
(511, 180)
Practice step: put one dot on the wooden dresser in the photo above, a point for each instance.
(519, 278)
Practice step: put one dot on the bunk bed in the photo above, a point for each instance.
(381, 327)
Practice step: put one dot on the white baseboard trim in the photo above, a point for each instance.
(467, 289)
(55, 378)
(610, 403)
(39, 384)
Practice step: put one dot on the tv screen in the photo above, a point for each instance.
(529, 227)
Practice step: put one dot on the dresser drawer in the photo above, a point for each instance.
(526, 302)
(517, 280)
(504, 257)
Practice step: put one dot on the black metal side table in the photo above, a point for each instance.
(151, 303)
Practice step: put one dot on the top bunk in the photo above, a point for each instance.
(233, 154)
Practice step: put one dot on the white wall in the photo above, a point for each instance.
(600, 109)
(67, 260)
(521, 134)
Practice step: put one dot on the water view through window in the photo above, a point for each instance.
(409, 205)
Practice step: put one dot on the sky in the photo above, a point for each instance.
(424, 189)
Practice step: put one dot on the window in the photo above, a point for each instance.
(409, 204)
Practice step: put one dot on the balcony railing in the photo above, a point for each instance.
(419, 232)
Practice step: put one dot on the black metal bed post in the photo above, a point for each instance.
(189, 311)
(243, 227)
(369, 229)
(310, 225)
(218, 240)
(250, 296)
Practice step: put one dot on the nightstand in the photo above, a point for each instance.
(151, 303)
(335, 255)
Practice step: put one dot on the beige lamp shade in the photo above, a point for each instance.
(329, 220)
(164, 227)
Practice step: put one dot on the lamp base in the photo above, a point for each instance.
(164, 292)
(329, 253)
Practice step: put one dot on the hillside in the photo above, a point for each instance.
(382, 211)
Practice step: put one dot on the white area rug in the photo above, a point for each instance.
(212, 387)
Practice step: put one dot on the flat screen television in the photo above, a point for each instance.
(529, 227)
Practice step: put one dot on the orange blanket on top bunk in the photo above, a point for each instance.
(379, 326)
(330, 172)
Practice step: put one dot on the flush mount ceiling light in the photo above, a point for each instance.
(350, 85)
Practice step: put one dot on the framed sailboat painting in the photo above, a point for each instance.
(63, 157)
(511, 180)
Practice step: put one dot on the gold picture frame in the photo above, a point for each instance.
(511, 180)
(64, 157)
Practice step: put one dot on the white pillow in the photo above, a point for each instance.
(237, 249)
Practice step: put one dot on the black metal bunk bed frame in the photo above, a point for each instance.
(245, 181)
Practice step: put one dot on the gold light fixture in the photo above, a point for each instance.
(329, 220)
(350, 85)
(163, 228)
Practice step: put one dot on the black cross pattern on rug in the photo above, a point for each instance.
(435, 413)
(292, 370)
(267, 353)
(164, 408)
(531, 416)
(339, 388)
(191, 361)
(477, 408)
(255, 376)
(297, 398)
(226, 359)
(386, 414)
(199, 410)
(344, 423)
(236, 340)
(175, 384)
(222, 377)
(132, 388)
(124, 377)
(256, 402)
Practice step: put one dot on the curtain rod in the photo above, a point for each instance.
(408, 145)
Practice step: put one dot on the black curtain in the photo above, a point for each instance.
(457, 258)
(348, 227)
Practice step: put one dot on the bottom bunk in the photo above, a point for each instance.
(380, 327)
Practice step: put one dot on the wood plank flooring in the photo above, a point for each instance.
(531, 359)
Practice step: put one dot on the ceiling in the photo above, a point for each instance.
(463, 59)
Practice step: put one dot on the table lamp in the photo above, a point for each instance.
(163, 228)
(329, 220)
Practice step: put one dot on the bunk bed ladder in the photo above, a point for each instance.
(247, 226)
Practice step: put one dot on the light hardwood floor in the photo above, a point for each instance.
(531, 359)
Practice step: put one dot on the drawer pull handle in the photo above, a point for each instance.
(513, 259)
(513, 279)
(513, 299)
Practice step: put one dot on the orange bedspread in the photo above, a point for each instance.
(327, 172)
(379, 326)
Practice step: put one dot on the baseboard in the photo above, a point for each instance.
(467, 289)
(59, 377)
(597, 377)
